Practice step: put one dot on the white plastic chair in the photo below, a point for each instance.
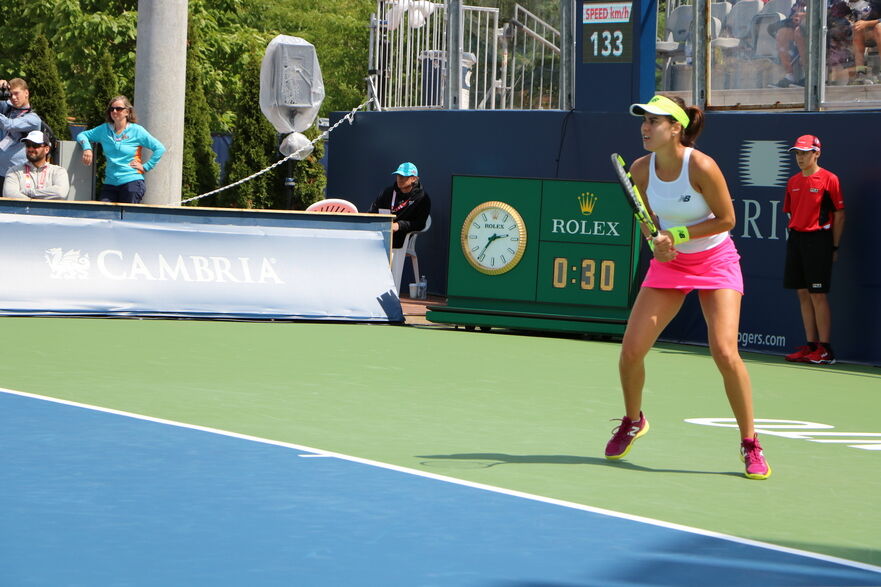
(784, 7)
(764, 45)
(333, 205)
(740, 19)
(721, 9)
(672, 47)
(408, 249)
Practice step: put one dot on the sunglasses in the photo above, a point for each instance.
(117, 109)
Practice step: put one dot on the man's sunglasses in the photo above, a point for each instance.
(117, 109)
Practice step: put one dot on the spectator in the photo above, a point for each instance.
(407, 200)
(816, 221)
(37, 179)
(866, 32)
(839, 42)
(122, 139)
(16, 120)
(791, 44)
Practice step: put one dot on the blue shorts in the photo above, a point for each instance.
(126, 193)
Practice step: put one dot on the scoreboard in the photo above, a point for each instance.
(540, 254)
(607, 32)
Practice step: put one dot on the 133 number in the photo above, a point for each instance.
(607, 43)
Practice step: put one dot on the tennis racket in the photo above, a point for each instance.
(640, 212)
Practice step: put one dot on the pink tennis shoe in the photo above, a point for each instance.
(751, 454)
(625, 435)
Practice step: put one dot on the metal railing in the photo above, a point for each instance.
(515, 66)
(531, 62)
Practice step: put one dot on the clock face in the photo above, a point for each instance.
(493, 238)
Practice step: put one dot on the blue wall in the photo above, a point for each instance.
(750, 147)
(576, 145)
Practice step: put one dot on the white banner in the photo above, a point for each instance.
(173, 266)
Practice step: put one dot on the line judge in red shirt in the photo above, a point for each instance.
(816, 220)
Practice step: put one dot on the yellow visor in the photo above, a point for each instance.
(662, 106)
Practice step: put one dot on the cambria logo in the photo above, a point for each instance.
(67, 265)
(118, 266)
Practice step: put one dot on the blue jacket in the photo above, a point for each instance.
(122, 149)
(15, 123)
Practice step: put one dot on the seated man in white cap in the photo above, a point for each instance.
(406, 200)
(37, 178)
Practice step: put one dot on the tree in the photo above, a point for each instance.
(47, 92)
(309, 176)
(105, 87)
(253, 148)
(95, 40)
(85, 32)
(200, 168)
(80, 32)
(338, 30)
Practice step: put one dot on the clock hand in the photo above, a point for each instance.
(494, 238)
(486, 246)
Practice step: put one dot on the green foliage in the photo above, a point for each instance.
(105, 87)
(226, 48)
(253, 148)
(83, 33)
(200, 168)
(80, 32)
(309, 176)
(94, 44)
(47, 92)
(338, 29)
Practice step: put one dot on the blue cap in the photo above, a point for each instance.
(406, 169)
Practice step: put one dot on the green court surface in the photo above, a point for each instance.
(522, 412)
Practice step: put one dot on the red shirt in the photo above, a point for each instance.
(811, 200)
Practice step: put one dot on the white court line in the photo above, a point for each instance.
(539, 498)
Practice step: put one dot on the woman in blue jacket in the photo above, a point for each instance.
(122, 140)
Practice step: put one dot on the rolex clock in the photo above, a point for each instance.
(577, 273)
(493, 237)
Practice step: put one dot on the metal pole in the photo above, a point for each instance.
(701, 53)
(160, 91)
(454, 55)
(816, 55)
(567, 54)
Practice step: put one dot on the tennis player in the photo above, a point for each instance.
(688, 195)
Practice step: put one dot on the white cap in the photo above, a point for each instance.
(36, 137)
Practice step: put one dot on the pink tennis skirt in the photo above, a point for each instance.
(716, 268)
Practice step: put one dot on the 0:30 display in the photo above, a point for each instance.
(588, 276)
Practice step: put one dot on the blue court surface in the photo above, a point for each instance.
(95, 497)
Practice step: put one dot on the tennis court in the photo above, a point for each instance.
(152, 452)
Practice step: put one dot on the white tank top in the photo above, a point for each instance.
(676, 203)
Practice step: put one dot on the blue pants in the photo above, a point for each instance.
(126, 193)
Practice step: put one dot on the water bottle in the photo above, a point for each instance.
(423, 288)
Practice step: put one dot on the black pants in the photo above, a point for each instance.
(808, 261)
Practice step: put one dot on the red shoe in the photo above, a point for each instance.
(751, 454)
(820, 356)
(799, 355)
(625, 435)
